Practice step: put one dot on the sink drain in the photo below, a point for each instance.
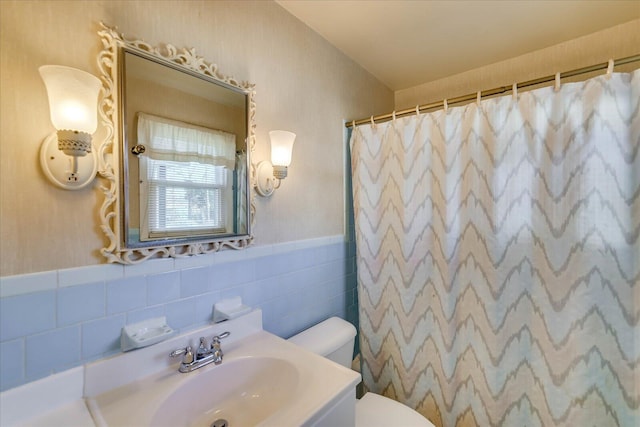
(220, 423)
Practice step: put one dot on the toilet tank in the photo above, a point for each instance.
(332, 338)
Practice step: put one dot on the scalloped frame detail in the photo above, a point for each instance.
(109, 158)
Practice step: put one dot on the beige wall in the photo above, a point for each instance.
(616, 42)
(144, 96)
(303, 85)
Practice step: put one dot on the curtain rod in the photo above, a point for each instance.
(492, 92)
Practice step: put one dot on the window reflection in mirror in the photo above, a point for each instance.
(190, 181)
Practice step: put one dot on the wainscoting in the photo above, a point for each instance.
(55, 320)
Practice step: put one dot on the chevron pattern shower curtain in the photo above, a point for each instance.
(499, 260)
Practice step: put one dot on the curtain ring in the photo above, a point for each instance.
(445, 105)
(393, 115)
(610, 68)
(479, 97)
(417, 110)
(514, 90)
(353, 124)
(557, 84)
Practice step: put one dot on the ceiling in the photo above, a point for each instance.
(407, 43)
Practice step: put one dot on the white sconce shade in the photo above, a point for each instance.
(269, 175)
(281, 148)
(73, 99)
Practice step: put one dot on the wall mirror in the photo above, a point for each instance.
(177, 157)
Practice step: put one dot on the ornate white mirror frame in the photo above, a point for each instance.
(110, 156)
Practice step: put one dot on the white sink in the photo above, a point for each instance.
(262, 381)
(244, 392)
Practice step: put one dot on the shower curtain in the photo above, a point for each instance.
(498, 257)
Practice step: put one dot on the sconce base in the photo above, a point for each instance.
(74, 143)
(265, 182)
(68, 172)
(280, 172)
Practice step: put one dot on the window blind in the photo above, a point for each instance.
(185, 196)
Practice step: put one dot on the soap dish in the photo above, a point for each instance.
(229, 309)
(145, 333)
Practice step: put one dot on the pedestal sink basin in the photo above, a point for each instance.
(241, 392)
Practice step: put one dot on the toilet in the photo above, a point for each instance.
(334, 339)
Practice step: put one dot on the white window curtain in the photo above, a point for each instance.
(186, 176)
(241, 193)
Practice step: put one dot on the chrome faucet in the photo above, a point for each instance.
(205, 354)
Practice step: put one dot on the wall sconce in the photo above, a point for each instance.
(269, 175)
(73, 100)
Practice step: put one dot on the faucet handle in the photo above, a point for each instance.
(216, 339)
(216, 349)
(188, 354)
